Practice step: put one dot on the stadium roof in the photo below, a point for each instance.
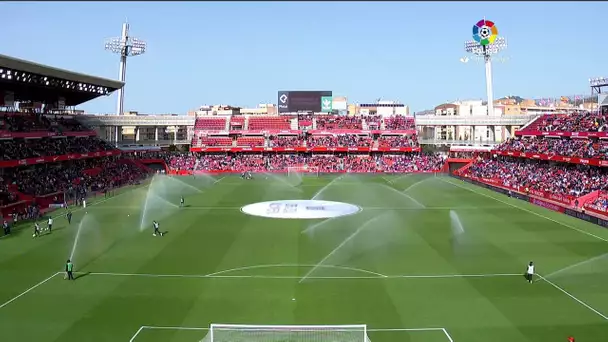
(75, 88)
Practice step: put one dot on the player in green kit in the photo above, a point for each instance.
(69, 268)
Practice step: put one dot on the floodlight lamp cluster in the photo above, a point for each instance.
(598, 81)
(34, 79)
(474, 47)
(126, 47)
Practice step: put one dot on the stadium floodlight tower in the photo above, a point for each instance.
(485, 44)
(597, 84)
(125, 46)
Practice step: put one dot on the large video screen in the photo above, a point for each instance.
(299, 101)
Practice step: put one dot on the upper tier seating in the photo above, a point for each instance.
(329, 122)
(257, 123)
(250, 141)
(237, 122)
(575, 122)
(210, 123)
(399, 122)
(215, 141)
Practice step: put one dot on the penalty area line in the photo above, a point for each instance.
(152, 327)
(28, 290)
(211, 276)
(573, 297)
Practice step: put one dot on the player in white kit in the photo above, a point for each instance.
(530, 272)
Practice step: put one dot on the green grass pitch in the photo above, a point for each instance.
(401, 265)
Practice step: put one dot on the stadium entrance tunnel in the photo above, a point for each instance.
(300, 209)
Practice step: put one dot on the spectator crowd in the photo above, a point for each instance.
(285, 141)
(340, 140)
(575, 122)
(563, 179)
(411, 162)
(31, 148)
(397, 141)
(581, 148)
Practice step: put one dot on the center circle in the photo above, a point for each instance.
(300, 209)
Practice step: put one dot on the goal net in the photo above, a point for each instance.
(286, 333)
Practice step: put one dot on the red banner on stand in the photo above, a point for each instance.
(540, 156)
(312, 131)
(305, 149)
(564, 134)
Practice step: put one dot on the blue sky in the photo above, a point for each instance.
(243, 53)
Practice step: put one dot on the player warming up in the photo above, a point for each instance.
(69, 217)
(156, 231)
(69, 268)
(36, 229)
(50, 225)
(530, 272)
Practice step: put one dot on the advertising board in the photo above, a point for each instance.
(303, 101)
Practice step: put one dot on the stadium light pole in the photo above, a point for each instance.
(125, 46)
(597, 83)
(485, 44)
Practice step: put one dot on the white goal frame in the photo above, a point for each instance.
(305, 169)
(296, 328)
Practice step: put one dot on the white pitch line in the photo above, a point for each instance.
(420, 276)
(295, 265)
(526, 210)
(28, 290)
(400, 177)
(571, 296)
(219, 180)
(416, 184)
(94, 203)
(137, 333)
(447, 334)
(576, 265)
(207, 328)
(364, 208)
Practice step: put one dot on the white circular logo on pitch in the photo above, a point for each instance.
(300, 209)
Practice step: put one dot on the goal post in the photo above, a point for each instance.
(303, 169)
(286, 333)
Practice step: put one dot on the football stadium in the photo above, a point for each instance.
(312, 219)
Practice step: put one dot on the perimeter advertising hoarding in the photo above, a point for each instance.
(300, 101)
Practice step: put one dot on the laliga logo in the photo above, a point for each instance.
(481, 59)
(485, 32)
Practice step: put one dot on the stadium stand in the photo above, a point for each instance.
(49, 158)
(339, 122)
(562, 179)
(410, 162)
(269, 122)
(210, 123)
(399, 122)
(285, 141)
(397, 141)
(600, 203)
(575, 122)
(215, 141)
(237, 122)
(31, 148)
(250, 141)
